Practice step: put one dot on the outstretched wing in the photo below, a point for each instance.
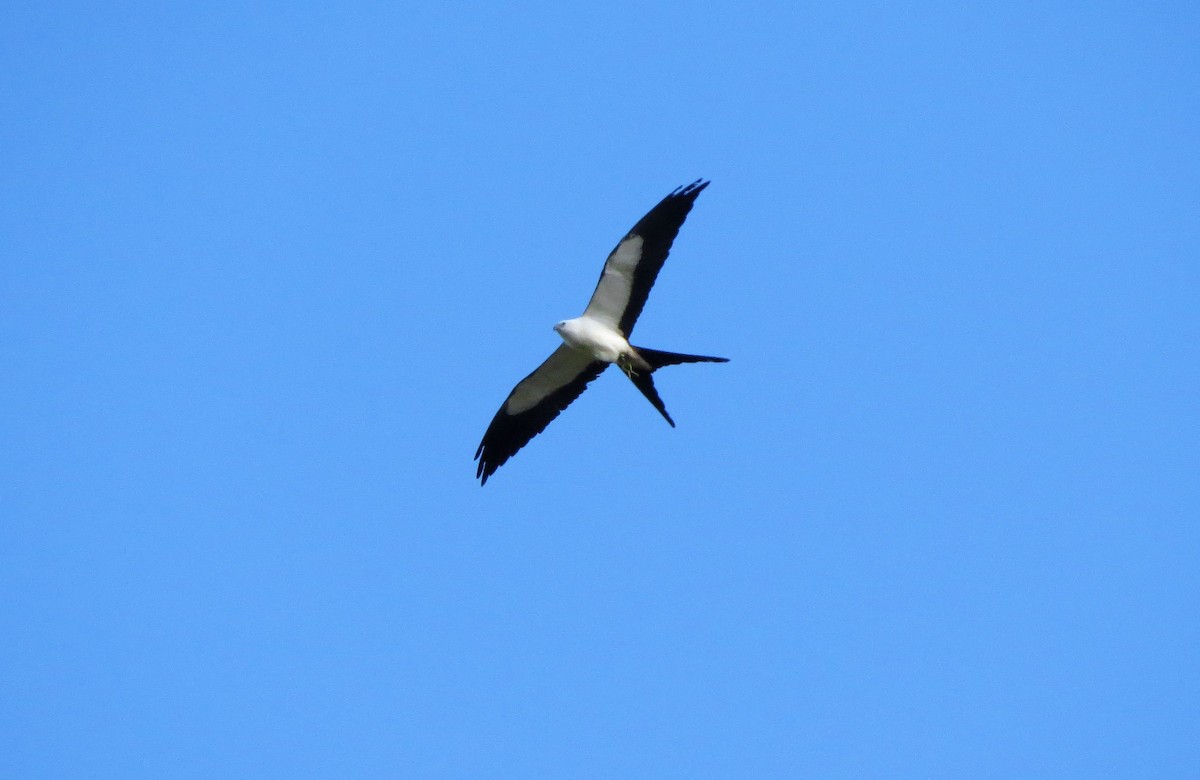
(534, 402)
(633, 265)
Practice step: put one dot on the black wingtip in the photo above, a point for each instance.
(695, 187)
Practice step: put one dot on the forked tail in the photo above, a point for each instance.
(657, 359)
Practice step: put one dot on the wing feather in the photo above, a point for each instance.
(533, 404)
(632, 267)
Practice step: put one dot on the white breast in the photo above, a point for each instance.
(598, 339)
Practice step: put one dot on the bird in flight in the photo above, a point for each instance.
(597, 338)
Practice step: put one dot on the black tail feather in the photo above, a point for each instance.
(645, 382)
(657, 358)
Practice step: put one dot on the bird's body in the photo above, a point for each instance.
(597, 338)
(600, 340)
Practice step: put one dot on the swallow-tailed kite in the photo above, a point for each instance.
(597, 338)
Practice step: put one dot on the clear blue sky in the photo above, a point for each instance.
(267, 271)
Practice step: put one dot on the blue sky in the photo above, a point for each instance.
(268, 272)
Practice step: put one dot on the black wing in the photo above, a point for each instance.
(534, 402)
(633, 265)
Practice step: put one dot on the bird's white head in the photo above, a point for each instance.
(558, 328)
